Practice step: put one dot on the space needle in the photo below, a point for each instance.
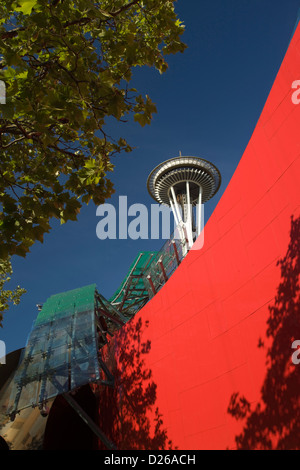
(184, 184)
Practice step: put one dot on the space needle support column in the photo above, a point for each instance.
(177, 211)
(179, 221)
(189, 219)
(199, 210)
(174, 212)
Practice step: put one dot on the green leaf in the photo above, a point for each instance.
(141, 118)
(26, 6)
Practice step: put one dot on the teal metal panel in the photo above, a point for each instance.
(62, 350)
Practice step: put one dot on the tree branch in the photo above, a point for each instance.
(124, 8)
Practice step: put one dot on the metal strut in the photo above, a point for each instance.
(89, 422)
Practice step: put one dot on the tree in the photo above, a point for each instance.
(67, 67)
(7, 296)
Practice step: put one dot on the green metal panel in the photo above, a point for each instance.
(143, 260)
(133, 293)
(146, 276)
(62, 350)
(66, 303)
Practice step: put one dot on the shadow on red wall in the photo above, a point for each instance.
(274, 423)
(128, 413)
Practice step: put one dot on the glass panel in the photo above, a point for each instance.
(84, 353)
(61, 353)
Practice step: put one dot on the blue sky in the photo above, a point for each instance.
(208, 104)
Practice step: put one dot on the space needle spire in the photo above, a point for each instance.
(185, 184)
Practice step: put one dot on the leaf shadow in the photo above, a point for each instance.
(274, 422)
(128, 414)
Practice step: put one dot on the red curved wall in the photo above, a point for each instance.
(206, 323)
